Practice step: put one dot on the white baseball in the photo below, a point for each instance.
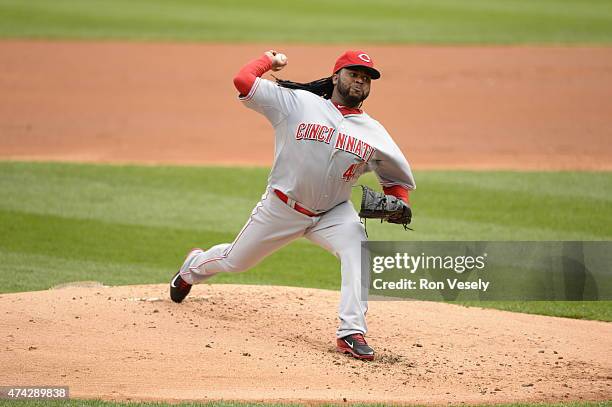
(281, 58)
(278, 60)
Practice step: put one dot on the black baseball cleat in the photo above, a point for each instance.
(179, 288)
(356, 345)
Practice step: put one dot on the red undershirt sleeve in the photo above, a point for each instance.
(246, 77)
(398, 191)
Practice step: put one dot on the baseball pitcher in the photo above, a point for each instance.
(324, 142)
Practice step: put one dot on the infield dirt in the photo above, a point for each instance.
(447, 107)
(277, 344)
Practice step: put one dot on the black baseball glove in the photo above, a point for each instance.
(376, 205)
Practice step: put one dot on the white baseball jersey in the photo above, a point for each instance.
(319, 153)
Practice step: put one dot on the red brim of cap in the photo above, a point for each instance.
(371, 71)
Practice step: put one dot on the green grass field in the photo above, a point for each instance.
(340, 21)
(133, 224)
(98, 403)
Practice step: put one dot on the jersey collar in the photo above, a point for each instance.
(347, 110)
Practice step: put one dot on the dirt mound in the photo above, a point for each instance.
(276, 343)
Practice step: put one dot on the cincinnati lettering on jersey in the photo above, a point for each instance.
(344, 142)
(316, 132)
(354, 146)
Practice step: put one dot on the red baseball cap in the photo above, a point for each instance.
(357, 59)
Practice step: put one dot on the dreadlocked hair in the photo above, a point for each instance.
(323, 87)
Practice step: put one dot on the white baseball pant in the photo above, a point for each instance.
(272, 225)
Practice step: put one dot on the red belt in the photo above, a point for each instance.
(294, 204)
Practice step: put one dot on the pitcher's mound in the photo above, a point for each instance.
(262, 343)
(83, 284)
